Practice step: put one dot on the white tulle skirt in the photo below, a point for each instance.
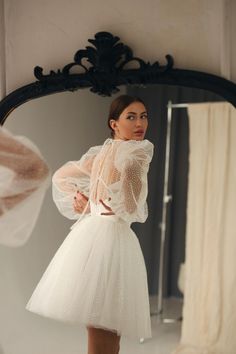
(97, 278)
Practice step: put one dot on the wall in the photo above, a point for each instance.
(2, 52)
(232, 30)
(48, 33)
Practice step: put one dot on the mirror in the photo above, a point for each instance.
(64, 125)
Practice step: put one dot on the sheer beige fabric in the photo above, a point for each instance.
(115, 172)
(24, 179)
(209, 316)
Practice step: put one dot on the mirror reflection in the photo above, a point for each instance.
(189, 208)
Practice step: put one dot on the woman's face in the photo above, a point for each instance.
(132, 122)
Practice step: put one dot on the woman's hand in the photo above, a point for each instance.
(80, 202)
(107, 207)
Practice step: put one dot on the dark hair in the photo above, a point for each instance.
(118, 106)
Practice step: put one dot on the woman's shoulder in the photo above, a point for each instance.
(93, 150)
(130, 150)
(145, 143)
(140, 144)
(133, 146)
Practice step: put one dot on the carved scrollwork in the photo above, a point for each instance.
(105, 56)
(107, 60)
(106, 65)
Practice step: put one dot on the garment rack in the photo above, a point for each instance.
(167, 198)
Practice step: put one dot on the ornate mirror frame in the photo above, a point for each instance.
(107, 72)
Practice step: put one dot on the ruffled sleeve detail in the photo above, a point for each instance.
(128, 199)
(24, 179)
(129, 151)
(73, 176)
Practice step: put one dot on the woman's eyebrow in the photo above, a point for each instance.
(135, 112)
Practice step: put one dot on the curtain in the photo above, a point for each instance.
(209, 314)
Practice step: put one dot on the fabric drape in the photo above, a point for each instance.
(24, 180)
(209, 316)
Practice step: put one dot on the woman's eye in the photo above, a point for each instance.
(133, 117)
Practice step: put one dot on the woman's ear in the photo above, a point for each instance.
(112, 123)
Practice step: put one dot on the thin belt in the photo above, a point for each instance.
(98, 209)
(114, 218)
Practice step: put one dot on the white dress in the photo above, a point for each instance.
(98, 276)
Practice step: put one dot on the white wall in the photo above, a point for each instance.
(232, 16)
(2, 52)
(48, 33)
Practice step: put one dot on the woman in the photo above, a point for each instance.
(98, 276)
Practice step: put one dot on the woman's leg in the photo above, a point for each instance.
(102, 341)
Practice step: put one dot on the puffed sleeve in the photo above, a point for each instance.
(24, 179)
(73, 176)
(132, 161)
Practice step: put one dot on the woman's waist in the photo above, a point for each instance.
(99, 209)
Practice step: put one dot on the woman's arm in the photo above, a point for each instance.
(26, 167)
(132, 161)
(20, 158)
(24, 179)
(73, 176)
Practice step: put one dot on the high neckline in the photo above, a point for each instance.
(111, 139)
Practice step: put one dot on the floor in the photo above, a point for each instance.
(165, 335)
(41, 336)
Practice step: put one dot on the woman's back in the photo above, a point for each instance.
(119, 176)
(115, 172)
(104, 173)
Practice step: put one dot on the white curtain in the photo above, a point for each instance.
(209, 312)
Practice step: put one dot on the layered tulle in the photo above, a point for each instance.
(97, 277)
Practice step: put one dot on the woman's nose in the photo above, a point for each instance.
(140, 122)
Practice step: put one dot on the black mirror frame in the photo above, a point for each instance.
(107, 72)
